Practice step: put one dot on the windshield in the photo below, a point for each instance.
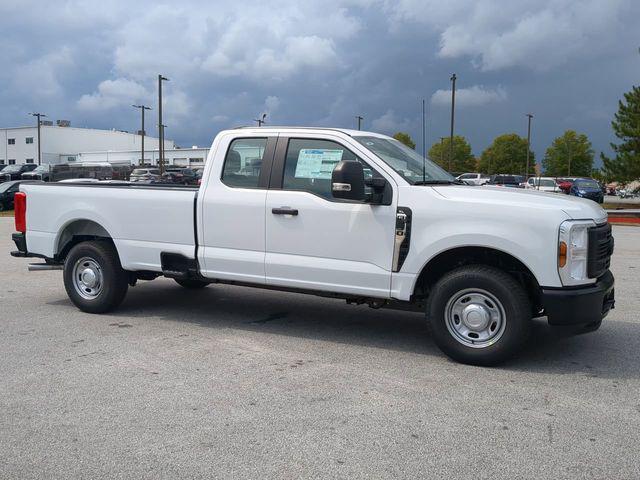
(41, 169)
(587, 184)
(547, 183)
(12, 169)
(510, 179)
(6, 186)
(405, 161)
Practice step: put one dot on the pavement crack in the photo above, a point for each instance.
(271, 317)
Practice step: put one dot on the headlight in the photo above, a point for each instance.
(573, 246)
(582, 192)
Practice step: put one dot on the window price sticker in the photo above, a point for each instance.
(317, 162)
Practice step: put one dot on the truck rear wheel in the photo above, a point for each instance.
(191, 284)
(94, 278)
(479, 315)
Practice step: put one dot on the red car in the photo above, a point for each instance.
(565, 184)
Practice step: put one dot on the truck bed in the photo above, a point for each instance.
(142, 220)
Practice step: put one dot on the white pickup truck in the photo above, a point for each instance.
(339, 213)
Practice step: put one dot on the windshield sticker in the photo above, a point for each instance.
(317, 162)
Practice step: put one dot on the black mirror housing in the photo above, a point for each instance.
(347, 180)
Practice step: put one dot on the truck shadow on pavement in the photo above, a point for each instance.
(611, 352)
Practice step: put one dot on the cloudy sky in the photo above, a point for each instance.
(322, 63)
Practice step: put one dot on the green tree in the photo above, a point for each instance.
(507, 154)
(570, 154)
(625, 166)
(405, 138)
(462, 161)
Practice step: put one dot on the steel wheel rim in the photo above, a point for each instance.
(87, 278)
(475, 318)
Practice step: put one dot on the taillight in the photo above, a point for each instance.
(20, 210)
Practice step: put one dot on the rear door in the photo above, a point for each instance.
(232, 208)
(324, 243)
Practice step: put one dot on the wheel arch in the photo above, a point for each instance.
(447, 260)
(76, 231)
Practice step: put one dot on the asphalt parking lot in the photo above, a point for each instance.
(233, 382)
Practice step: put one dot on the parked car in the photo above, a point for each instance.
(14, 172)
(587, 188)
(381, 227)
(184, 176)
(7, 192)
(50, 173)
(564, 184)
(474, 178)
(100, 170)
(2, 167)
(543, 184)
(145, 175)
(512, 181)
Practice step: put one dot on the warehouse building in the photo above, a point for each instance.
(179, 157)
(62, 143)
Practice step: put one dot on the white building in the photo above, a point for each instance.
(61, 144)
(183, 157)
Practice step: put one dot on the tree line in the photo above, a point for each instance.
(569, 155)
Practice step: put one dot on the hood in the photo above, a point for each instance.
(576, 208)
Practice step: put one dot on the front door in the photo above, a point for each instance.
(317, 242)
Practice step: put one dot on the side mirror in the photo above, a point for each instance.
(347, 180)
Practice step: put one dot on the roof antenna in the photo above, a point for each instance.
(424, 144)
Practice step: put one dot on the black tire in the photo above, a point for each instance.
(191, 284)
(512, 301)
(115, 281)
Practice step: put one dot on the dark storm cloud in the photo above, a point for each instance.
(321, 63)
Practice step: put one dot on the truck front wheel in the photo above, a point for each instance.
(94, 278)
(479, 315)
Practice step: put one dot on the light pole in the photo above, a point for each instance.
(424, 142)
(142, 109)
(160, 124)
(262, 120)
(359, 119)
(38, 116)
(453, 108)
(529, 116)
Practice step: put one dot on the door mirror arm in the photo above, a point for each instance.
(377, 186)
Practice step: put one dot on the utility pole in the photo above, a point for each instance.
(38, 116)
(142, 109)
(529, 116)
(424, 142)
(262, 120)
(359, 119)
(453, 108)
(160, 125)
(442, 151)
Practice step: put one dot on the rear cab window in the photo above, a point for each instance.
(243, 162)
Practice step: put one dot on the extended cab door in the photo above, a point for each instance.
(317, 242)
(232, 208)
